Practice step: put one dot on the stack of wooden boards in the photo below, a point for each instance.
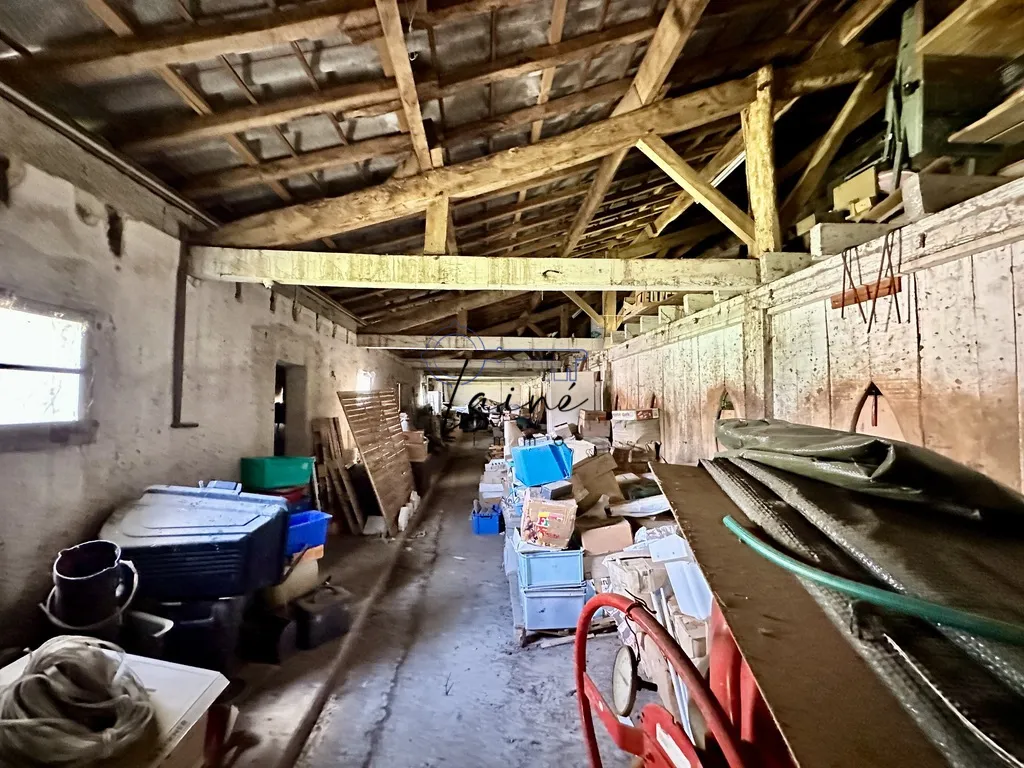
(333, 483)
(377, 430)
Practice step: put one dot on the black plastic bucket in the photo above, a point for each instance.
(90, 583)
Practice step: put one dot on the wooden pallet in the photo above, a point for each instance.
(334, 483)
(373, 419)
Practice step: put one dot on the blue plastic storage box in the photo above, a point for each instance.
(539, 464)
(306, 530)
(548, 569)
(550, 608)
(487, 523)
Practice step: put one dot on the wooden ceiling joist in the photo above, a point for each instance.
(360, 270)
(372, 340)
(438, 310)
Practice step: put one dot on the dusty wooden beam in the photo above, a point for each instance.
(537, 59)
(182, 132)
(927, 193)
(609, 310)
(759, 140)
(104, 58)
(478, 343)
(564, 316)
(580, 302)
(436, 238)
(487, 364)
(819, 73)
(856, 19)
(721, 207)
(488, 126)
(547, 78)
(675, 27)
(218, 183)
(398, 53)
(977, 28)
(360, 270)
(438, 310)
(865, 97)
(403, 197)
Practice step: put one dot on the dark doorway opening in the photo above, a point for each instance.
(280, 407)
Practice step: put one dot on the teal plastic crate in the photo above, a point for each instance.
(264, 473)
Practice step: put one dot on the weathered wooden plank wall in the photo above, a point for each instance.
(947, 362)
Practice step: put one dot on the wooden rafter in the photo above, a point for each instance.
(677, 24)
(398, 53)
(698, 188)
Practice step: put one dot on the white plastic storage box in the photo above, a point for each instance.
(539, 567)
(551, 608)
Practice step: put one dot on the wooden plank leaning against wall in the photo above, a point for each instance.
(947, 366)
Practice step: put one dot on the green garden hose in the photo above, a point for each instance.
(982, 626)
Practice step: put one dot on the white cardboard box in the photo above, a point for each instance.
(182, 697)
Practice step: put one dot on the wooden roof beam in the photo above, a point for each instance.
(398, 198)
(677, 23)
(104, 58)
(398, 53)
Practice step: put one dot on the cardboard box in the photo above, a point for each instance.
(548, 523)
(607, 538)
(559, 489)
(594, 477)
(645, 414)
(595, 424)
(638, 577)
(581, 450)
(627, 433)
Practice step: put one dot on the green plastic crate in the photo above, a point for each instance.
(267, 472)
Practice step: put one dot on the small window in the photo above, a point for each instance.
(43, 375)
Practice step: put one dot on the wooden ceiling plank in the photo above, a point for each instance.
(690, 179)
(677, 23)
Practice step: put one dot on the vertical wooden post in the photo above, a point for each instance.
(565, 313)
(759, 137)
(435, 241)
(462, 321)
(608, 301)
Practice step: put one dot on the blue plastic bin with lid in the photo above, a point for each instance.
(306, 530)
(540, 464)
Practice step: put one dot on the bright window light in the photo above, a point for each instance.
(42, 367)
(364, 381)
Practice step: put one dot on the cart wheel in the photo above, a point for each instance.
(625, 681)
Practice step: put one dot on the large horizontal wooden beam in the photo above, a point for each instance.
(478, 343)
(398, 198)
(361, 270)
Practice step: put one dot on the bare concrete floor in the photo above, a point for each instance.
(437, 679)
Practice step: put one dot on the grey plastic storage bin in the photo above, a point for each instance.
(555, 568)
(552, 608)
